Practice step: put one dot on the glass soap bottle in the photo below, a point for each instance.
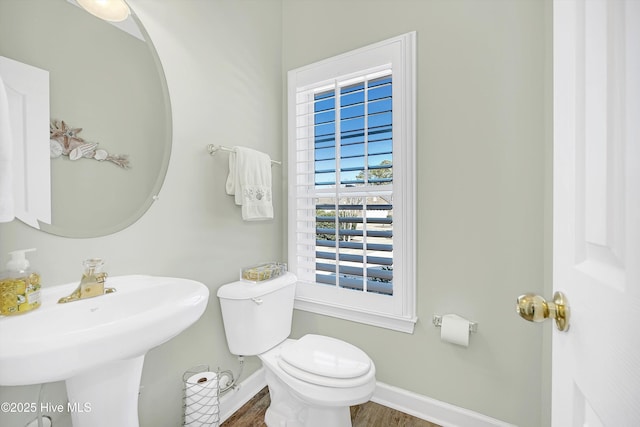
(19, 286)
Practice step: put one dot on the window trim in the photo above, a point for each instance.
(404, 64)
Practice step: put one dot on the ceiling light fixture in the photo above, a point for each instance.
(109, 10)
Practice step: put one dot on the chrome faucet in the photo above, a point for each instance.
(91, 284)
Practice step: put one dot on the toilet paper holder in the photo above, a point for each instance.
(437, 322)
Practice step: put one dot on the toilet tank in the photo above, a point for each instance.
(257, 316)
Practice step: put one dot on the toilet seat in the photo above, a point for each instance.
(326, 361)
(336, 394)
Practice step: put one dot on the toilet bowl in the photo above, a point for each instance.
(302, 397)
(313, 380)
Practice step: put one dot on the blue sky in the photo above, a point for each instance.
(352, 130)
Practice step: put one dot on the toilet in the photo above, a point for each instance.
(313, 380)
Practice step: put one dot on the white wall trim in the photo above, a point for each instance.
(432, 410)
(396, 323)
(414, 404)
(234, 399)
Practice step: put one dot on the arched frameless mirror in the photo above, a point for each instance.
(109, 82)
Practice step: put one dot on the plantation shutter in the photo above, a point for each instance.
(344, 183)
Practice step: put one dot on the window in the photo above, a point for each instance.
(352, 184)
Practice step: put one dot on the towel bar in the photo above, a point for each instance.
(213, 149)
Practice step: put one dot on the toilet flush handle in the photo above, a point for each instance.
(257, 300)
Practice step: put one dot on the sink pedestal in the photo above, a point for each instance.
(107, 395)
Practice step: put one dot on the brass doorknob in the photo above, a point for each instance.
(534, 308)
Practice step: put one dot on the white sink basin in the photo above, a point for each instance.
(96, 339)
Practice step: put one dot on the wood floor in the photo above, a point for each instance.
(369, 414)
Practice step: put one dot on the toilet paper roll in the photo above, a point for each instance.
(201, 400)
(455, 329)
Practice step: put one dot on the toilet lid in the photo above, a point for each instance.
(326, 356)
(327, 381)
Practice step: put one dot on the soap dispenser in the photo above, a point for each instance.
(19, 285)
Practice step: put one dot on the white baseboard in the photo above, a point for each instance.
(414, 404)
(234, 399)
(432, 410)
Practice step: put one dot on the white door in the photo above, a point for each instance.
(27, 104)
(596, 363)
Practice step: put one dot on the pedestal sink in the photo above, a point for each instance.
(97, 345)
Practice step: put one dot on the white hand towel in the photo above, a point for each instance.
(249, 181)
(6, 149)
(232, 178)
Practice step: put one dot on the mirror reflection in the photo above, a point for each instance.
(109, 83)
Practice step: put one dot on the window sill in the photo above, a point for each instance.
(396, 323)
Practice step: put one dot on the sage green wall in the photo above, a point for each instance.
(223, 67)
(482, 154)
